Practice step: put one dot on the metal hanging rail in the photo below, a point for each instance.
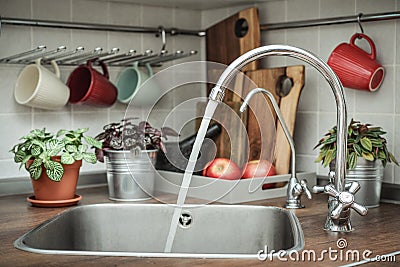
(94, 26)
(200, 33)
(330, 21)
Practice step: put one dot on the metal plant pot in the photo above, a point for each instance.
(369, 174)
(130, 175)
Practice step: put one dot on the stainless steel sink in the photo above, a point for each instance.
(211, 231)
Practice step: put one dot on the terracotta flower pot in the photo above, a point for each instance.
(46, 189)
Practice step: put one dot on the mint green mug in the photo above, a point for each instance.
(130, 81)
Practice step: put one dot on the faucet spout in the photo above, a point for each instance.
(295, 188)
(217, 94)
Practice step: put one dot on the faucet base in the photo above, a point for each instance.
(344, 227)
(343, 224)
(293, 204)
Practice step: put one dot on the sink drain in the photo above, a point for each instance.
(185, 220)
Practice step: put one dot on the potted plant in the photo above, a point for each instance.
(130, 152)
(54, 161)
(367, 155)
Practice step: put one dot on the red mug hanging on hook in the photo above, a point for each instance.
(355, 67)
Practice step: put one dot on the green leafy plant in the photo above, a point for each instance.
(363, 140)
(42, 148)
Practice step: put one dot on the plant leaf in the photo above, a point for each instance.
(167, 131)
(55, 147)
(39, 143)
(35, 150)
(71, 148)
(19, 156)
(36, 162)
(35, 171)
(90, 157)
(93, 142)
(82, 148)
(393, 159)
(55, 171)
(67, 158)
(82, 130)
(352, 160)
(368, 156)
(27, 157)
(61, 132)
(328, 158)
(78, 156)
(366, 143)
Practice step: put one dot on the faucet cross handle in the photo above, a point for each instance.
(345, 199)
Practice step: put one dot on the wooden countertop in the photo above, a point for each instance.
(377, 232)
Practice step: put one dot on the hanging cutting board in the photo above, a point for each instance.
(232, 37)
(269, 79)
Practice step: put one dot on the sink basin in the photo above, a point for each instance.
(211, 231)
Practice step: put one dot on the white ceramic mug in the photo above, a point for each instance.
(38, 87)
(129, 84)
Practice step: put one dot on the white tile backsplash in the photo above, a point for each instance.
(51, 10)
(317, 110)
(13, 127)
(396, 150)
(20, 119)
(16, 8)
(329, 8)
(89, 11)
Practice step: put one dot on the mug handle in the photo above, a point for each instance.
(103, 67)
(149, 69)
(371, 43)
(54, 64)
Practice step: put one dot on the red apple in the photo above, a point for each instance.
(259, 168)
(222, 168)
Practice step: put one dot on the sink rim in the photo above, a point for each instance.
(295, 225)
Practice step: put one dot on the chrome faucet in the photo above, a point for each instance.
(340, 201)
(295, 188)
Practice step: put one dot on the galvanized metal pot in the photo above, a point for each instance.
(369, 174)
(130, 175)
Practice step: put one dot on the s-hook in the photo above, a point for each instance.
(161, 32)
(359, 23)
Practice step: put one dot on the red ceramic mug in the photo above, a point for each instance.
(89, 86)
(355, 67)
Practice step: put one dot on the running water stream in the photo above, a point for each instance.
(187, 177)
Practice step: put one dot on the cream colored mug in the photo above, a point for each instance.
(38, 87)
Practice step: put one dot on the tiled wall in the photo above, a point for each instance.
(17, 120)
(317, 111)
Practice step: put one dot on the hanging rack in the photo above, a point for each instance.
(200, 33)
(78, 56)
(330, 21)
(112, 57)
(94, 26)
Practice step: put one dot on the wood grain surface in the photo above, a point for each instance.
(378, 232)
(222, 44)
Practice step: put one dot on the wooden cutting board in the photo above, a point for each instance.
(225, 43)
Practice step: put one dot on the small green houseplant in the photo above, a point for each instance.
(363, 140)
(367, 155)
(47, 157)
